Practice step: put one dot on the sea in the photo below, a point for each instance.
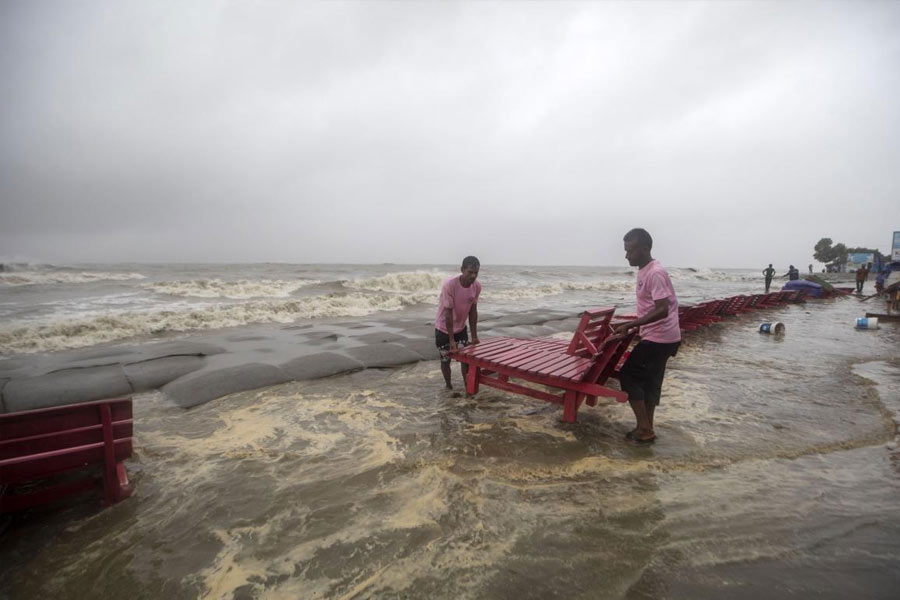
(46, 307)
(776, 472)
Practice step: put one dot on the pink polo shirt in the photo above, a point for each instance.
(458, 298)
(653, 284)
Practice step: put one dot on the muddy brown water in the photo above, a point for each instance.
(775, 475)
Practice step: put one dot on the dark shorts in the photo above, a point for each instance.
(643, 371)
(442, 341)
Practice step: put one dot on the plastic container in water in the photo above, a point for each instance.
(772, 328)
(867, 323)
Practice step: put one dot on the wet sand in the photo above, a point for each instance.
(775, 475)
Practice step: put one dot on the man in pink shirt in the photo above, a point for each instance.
(458, 302)
(660, 335)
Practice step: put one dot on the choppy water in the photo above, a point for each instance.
(775, 475)
(46, 307)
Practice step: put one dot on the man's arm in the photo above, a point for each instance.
(448, 323)
(660, 311)
(473, 322)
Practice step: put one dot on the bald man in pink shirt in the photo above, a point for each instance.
(660, 335)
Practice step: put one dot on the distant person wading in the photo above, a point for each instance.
(861, 275)
(768, 273)
(793, 273)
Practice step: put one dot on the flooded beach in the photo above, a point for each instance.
(775, 473)
(227, 231)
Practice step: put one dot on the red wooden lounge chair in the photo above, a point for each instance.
(578, 368)
(736, 305)
(769, 300)
(757, 301)
(691, 318)
(39, 445)
(794, 295)
(711, 310)
(785, 296)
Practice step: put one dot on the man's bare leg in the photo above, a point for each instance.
(644, 429)
(445, 371)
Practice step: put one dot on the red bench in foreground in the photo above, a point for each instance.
(39, 445)
(578, 368)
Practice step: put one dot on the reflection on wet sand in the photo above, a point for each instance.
(771, 477)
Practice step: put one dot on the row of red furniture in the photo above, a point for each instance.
(711, 311)
(576, 371)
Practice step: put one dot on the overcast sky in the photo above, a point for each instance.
(738, 134)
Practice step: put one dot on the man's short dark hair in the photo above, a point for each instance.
(471, 261)
(640, 236)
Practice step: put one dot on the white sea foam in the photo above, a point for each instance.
(236, 290)
(404, 281)
(553, 289)
(16, 278)
(706, 274)
(87, 331)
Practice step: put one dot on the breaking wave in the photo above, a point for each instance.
(235, 290)
(16, 277)
(553, 289)
(705, 274)
(76, 333)
(404, 281)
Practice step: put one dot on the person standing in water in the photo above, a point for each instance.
(861, 275)
(793, 274)
(458, 302)
(769, 273)
(660, 335)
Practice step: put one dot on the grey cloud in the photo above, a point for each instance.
(737, 133)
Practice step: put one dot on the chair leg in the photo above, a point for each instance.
(123, 490)
(472, 379)
(570, 407)
(110, 491)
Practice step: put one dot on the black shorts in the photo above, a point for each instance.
(442, 341)
(643, 371)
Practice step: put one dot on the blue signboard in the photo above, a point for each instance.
(856, 259)
(895, 247)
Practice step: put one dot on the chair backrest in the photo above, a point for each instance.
(711, 307)
(735, 303)
(607, 358)
(690, 315)
(591, 331)
(771, 299)
(47, 441)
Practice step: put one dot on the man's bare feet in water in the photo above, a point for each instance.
(449, 391)
(640, 437)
